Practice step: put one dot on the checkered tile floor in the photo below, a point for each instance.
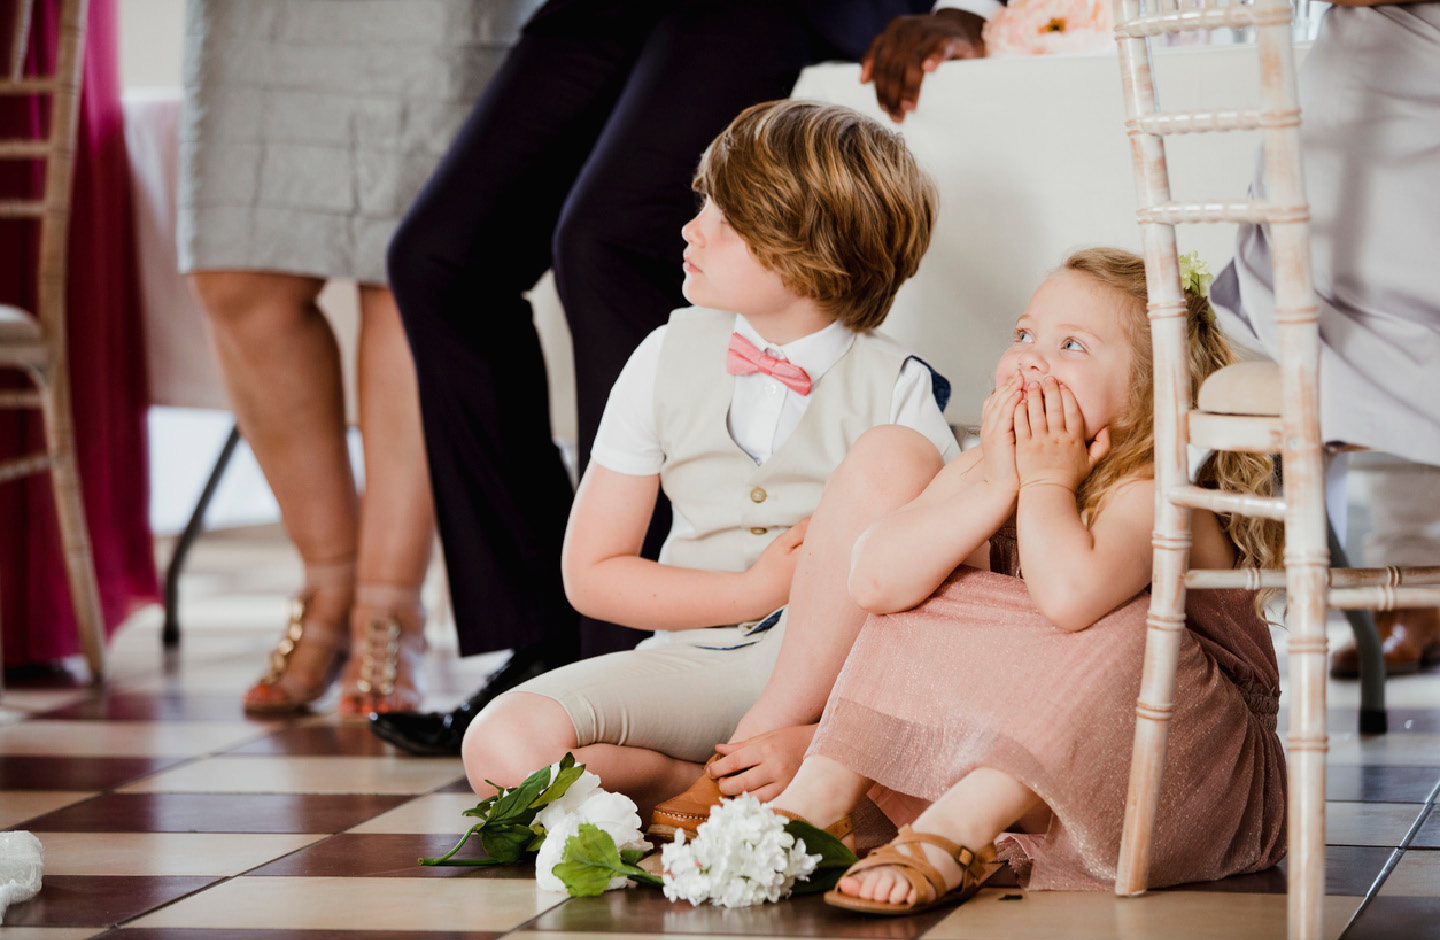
(166, 814)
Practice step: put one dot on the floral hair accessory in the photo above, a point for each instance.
(1195, 274)
(1195, 277)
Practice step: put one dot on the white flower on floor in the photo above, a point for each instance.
(574, 796)
(614, 813)
(740, 856)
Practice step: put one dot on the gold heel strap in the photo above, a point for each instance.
(294, 633)
(379, 657)
(382, 634)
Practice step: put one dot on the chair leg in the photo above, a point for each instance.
(1373, 717)
(70, 512)
(170, 630)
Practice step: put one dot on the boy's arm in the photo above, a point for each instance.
(606, 578)
(1075, 574)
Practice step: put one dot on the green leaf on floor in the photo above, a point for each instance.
(591, 860)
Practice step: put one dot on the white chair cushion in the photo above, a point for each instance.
(17, 326)
(1245, 388)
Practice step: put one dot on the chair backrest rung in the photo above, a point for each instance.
(14, 401)
(24, 149)
(1209, 122)
(1254, 579)
(1186, 21)
(29, 86)
(22, 209)
(1199, 497)
(1176, 213)
(19, 467)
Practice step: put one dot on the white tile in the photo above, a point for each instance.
(40, 700)
(1100, 915)
(391, 774)
(405, 904)
(165, 853)
(1422, 691)
(1414, 750)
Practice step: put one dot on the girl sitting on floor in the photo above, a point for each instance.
(994, 690)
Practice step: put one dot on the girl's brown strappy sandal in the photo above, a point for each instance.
(906, 856)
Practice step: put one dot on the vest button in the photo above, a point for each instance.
(757, 495)
(758, 530)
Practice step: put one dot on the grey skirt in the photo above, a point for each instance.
(311, 125)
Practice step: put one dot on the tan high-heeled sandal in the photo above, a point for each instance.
(387, 643)
(283, 690)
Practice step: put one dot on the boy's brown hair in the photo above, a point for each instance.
(825, 197)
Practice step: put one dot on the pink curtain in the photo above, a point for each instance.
(107, 374)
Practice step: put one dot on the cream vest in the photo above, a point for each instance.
(734, 507)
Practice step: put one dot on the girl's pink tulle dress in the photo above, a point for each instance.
(976, 677)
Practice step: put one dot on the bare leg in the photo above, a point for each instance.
(887, 467)
(823, 791)
(282, 369)
(520, 732)
(397, 520)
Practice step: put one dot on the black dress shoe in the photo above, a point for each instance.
(438, 734)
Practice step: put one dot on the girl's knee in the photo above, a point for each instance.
(514, 736)
(890, 457)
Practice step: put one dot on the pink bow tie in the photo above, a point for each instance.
(743, 358)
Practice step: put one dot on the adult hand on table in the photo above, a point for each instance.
(910, 46)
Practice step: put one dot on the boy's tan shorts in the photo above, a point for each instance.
(668, 694)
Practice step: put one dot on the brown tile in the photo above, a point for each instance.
(157, 706)
(1429, 835)
(217, 812)
(99, 900)
(34, 772)
(1396, 783)
(351, 739)
(646, 911)
(351, 854)
(1387, 918)
(199, 933)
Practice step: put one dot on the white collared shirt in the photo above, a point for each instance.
(763, 411)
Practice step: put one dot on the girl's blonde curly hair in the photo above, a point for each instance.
(1259, 542)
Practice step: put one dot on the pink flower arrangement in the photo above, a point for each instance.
(1033, 27)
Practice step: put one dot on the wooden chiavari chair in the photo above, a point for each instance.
(33, 342)
(1256, 407)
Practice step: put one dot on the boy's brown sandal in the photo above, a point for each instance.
(906, 856)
